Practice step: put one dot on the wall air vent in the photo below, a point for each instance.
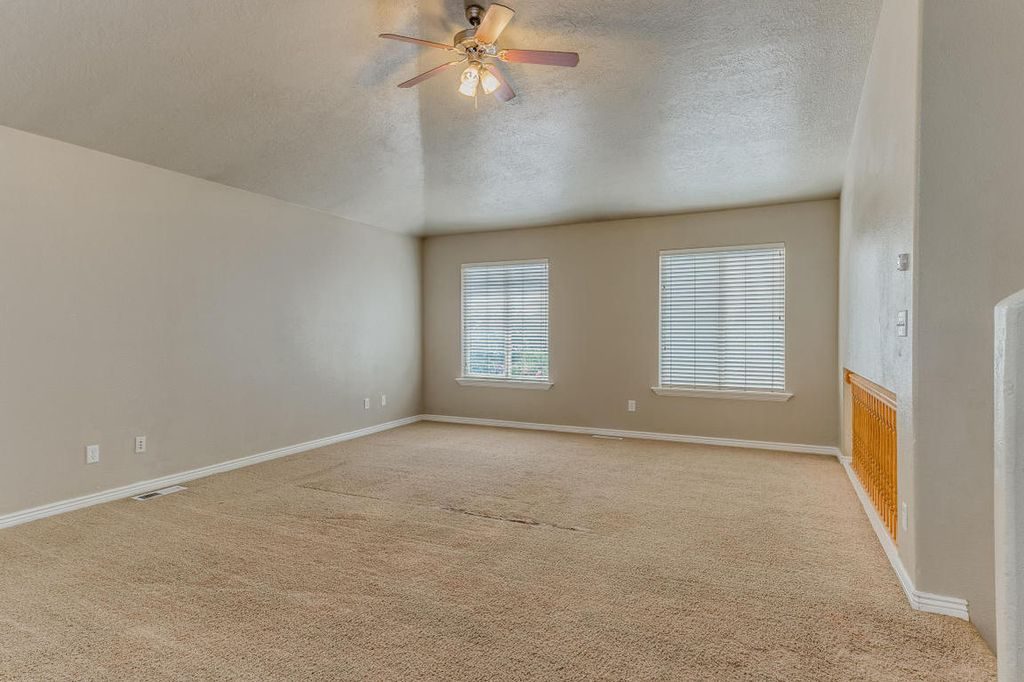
(160, 493)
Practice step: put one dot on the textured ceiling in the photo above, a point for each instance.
(677, 104)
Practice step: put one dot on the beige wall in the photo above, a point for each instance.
(937, 169)
(971, 255)
(216, 322)
(604, 324)
(877, 222)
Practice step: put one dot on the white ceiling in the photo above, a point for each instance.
(677, 105)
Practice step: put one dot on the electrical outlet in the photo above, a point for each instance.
(383, 400)
(901, 323)
(631, 405)
(140, 444)
(903, 516)
(366, 403)
(92, 454)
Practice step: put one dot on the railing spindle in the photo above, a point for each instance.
(874, 446)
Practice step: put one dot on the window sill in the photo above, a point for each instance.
(504, 383)
(724, 395)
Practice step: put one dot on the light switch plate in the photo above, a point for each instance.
(92, 454)
(903, 262)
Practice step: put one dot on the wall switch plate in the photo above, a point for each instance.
(901, 323)
(383, 400)
(140, 444)
(903, 516)
(903, 262)
(92, 454)
(631, 405)
(366, 403)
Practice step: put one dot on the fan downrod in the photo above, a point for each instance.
(474, 13)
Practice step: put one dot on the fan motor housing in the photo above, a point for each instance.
(465, 38)
(466, 41)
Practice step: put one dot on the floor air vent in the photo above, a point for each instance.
(160, 493)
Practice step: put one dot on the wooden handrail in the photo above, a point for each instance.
(880, 392)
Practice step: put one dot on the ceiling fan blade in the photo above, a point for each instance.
(504, 92)
(495, 20)
(539, 57)
(429, 74)
(417, 41)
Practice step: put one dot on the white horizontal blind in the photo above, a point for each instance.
(505, 320)
(723, 318)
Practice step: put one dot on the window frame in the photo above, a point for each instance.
(676, 390)
(500, 382)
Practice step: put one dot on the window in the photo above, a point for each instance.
(723, 322)
(505, 323)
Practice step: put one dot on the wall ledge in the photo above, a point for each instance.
(1009, 485)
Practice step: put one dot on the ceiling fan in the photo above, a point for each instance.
(477, 45)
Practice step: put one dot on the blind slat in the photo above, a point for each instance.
(723, 319)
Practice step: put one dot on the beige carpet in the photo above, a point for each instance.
(438, 552)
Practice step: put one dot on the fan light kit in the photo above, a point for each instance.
(478, 46)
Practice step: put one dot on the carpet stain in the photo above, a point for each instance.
(512, 519)
(341, 492)
(478, 514)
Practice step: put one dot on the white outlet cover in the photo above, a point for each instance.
(92, 454)
(140, 444)
(631, 405)
(366, 403)
(383, 400)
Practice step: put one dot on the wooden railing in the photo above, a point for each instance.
(874, 445)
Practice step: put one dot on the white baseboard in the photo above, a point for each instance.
(922, 601)
(132, 489)
(19, 517)
(644, 435)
